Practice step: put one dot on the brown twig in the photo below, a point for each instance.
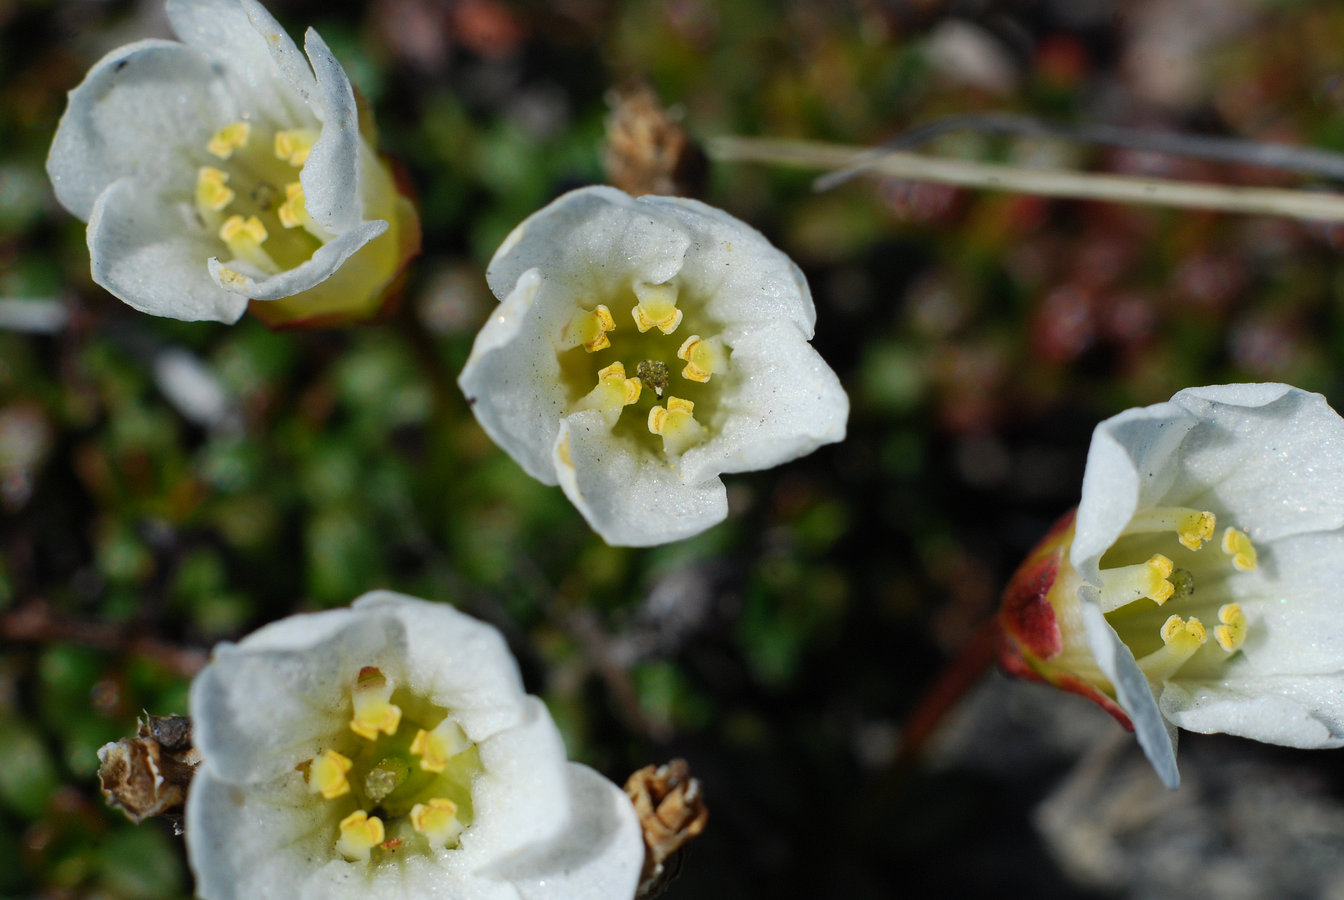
(36, 623)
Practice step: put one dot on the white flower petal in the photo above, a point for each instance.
(588, 241)
(630, 499)
(1270, 454)
(1267, 459)
(1293, 605)
(322, 265)
(149, 254)
(1131, 463)
(457, 662)
(236, 852)
(1156, 736)
(1291, 710)
(745, 278)
(596, 857)
(331, 176)
(254, 51)
(280, 696)
(787, 404)
(521, 798)
(512, 378)
(269, 703)
(768, 398)
(140, 108)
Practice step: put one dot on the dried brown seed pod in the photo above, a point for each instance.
(671, 810)
(148, 775)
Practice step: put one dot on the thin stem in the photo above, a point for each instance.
(1313, 205)
(36, 623)
(1266, 154)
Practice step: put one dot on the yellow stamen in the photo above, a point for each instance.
(292, 211)
(1237, 544)
(1124, 585)
(676, 425)
(588, 329)
(657, 307)
(703, 357)
(437, 820)
(244, 238)
(326, 775)
(373, 713)
(294, 146)
(1231, 634)
(1192, 526)
(1180, 639)
(436, 747)
(211, 192)
(229, 138)
(613, 393)
(360, 833)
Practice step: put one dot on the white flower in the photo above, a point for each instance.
(665, 305)
(1201, 582)
(388, 751)
(229, 168)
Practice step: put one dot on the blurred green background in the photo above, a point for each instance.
(980, 337)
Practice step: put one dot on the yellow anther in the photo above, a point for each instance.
(229, 138)
(292, 212)
(1180, 639)
(295, 145)
(676, 425)
(373, 713)
(211, 190)
(437, 820)
(1124, 585)
(588, 329)
(239, 232)
(360, 833)
(657, 307)
(436, 747)
(1192, 526)
(703, 357)
(613, 393)
(326, 775)
(1237, 544)
(1183, 634)
(244, 238)
(1231, 634)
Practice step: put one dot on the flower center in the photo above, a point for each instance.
(398, 784)
(660, 358)
(1160, 568)
(251, 197)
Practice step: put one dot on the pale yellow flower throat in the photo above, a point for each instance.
(398, 787)
(253, 200)
(628, 366)
(1130, 593)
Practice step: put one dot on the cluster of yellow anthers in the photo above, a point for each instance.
(398, 786)
(1161, 580)
(655, 307)
(262, 187)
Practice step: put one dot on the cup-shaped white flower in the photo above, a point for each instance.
(388, 751)
(642, 348)
(1199, 583)
(228, 169)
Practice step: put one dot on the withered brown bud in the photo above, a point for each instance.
(647, 151)
(148, 775)
(671, 810)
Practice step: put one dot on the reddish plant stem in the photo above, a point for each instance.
(35, 623)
